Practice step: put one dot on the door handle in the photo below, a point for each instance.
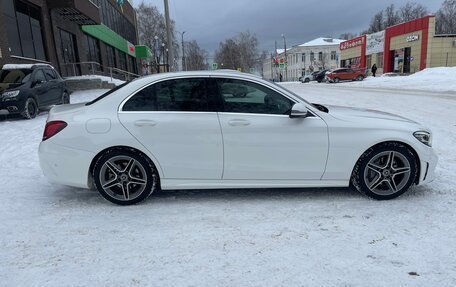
(145, 123)
(238, 123)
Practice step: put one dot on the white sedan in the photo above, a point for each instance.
(190, 131)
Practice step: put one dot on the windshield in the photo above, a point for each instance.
(17, 76)
(107, 94)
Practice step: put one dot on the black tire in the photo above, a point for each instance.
(336, 80)
(359, 78)
(141, 177)
(388, 181)
(306, 80)
(30, 109)
(65, 98)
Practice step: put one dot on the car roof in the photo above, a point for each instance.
(215, 73)
(25, 66)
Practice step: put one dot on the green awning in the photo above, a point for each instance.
(143, 52)
(103, 33)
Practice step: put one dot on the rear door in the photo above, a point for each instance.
(177, 122)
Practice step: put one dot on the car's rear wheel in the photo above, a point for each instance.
(306, 80)
(385, 171)
(65, 98)
(125, 176)
(30, 109)
(336, 80)
(359, 78)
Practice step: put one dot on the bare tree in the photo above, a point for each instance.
(391, 16)
(238, 52)
(411, 11)
(152, 31)
(376, 24)
(446, 18)
(195, 56)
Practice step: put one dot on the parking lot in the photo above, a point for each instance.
(53, 235)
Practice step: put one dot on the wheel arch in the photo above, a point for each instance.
(412, 150)
(120, 147)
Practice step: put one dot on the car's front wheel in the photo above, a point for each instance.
(359, 78)
(306, 80)
(125, 177)
(385, 171)
(30, 109)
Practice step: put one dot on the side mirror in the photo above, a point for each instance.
(299, 111)
(37, 82)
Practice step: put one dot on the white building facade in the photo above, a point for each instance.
(316, 55)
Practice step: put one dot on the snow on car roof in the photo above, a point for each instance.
(22, 66)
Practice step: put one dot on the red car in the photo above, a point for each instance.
(346, 74)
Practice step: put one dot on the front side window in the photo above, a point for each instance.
(39, 76)
(50, 74)
(187, 95)
(246, 97)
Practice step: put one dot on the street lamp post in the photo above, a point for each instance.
(184, 66)
(286, 60)
(156, 55)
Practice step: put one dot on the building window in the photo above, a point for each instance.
(380, 60)
(303, 57)
(93, 52)
(69, 55)
(312, 56)
(115, 20)
(123, 60)
(333, 55)
(24, 30)
(111, 55)
(320, 56)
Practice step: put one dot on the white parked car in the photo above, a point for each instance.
(189, 131)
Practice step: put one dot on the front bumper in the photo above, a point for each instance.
(65, 165)
(428, 165)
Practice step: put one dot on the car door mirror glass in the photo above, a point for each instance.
(299, 110)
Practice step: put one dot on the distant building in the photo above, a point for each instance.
(316, 55)
(404, 48)
(65, 32)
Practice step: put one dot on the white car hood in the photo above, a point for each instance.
(346, 113)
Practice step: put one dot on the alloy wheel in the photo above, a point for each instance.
(387, 173)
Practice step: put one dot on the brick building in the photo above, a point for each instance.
(65, 32)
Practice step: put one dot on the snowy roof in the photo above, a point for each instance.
(322, 42)
(22, 66)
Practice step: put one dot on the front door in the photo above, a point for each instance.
(407, 55)
(177, 122)
(261, 141)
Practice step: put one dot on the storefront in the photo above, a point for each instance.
(404, 48)
(353, 53)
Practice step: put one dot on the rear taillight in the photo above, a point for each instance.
(52, 128)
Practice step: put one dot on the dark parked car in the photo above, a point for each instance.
(320, 76)
(25, 89)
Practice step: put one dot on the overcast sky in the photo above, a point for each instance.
(210, 22)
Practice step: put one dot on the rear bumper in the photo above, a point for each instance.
(64, 165)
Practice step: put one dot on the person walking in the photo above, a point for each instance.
(374, 69)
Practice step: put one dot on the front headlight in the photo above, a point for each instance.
(10, 94)
(424, 137)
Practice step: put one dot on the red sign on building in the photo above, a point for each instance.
(355, 42)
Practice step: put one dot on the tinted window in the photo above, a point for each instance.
(247, 97)
(50, 74)
(173, 95)
(39, 76)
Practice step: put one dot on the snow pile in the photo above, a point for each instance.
(115, 81)
(442, 79)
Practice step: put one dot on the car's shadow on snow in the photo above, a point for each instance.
(70, 196)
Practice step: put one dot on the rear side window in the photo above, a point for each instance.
(191, 95)
(50, 74)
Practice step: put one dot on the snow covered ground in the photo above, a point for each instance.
(115, 81)
(442, 79)
(52, 235)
